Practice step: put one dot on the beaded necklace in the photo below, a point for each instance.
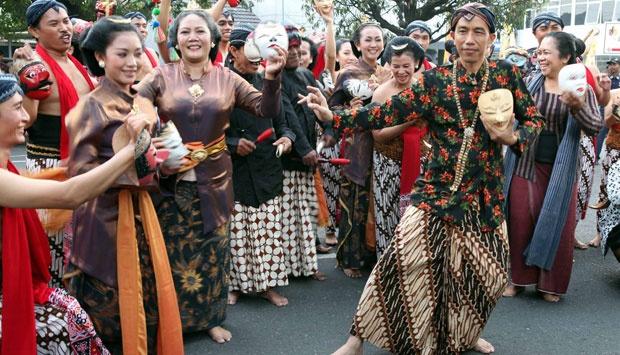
(469, 131)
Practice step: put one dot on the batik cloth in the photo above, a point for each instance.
(331, 185)
(434, 287)
(200, 262)
(603, 219)
(353, 202)
(299, 213)
(386, 194)
(40, 158)
(100, 300)
(63, 327)
(257, 259)
(586, 174)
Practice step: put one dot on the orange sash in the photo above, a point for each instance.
(130, 300)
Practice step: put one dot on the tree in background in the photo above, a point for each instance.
(394, 15)
(13, 12)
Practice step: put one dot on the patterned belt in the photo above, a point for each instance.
(34, 150)
(199, 152)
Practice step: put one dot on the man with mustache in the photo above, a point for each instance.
(48, 141)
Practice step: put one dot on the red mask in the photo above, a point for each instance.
(34, 79)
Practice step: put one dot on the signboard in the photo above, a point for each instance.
(612, 38)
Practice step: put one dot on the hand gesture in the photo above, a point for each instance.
(135, 123)
(311, 159)
(24, 52)
(275, 63)
(574, 102)
(502, 135)
(317, 103)
(325, 8)
(286, 143)
(356, 102)
(604, 82)
(245, 147)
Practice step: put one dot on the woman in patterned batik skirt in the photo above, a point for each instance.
(586, 179)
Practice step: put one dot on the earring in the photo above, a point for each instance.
(212, 45)
(101, 64)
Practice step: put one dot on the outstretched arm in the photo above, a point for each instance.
(21, 192)
(217, 10)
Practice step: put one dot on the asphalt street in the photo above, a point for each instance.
(317, 320)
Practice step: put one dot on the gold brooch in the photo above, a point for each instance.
(196, 91)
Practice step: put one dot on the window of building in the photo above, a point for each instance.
(566, 11)
(617, 11)
(593, 12)
(580, 14)
(607, 11)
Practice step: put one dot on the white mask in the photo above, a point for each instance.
(323, 6)
(496, 107)
(358, 88)
(250, 49)
(268, 34)
(572, 78)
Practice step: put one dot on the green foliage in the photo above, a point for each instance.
(350, 13)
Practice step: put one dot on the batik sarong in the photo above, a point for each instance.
(606, 218)
(586, 174)
(299, 213)
(331, 185)
(63, 327)
(257, 259)
(434, 287)
(386, 193)
(40, 158)
(200, 262)
(353, 201)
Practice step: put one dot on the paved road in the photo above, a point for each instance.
(317, 320)
(586, 321)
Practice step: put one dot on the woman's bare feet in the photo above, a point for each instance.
(579, 245)
(550, 297)
(596, 242)
(483, 346)
(512, 290)
(331, 240)
(275, 298)
(319, 276)
(219, 335)
(352, 273)
(353, 346)
(233, 297)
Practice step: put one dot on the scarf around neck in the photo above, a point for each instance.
(67, 93)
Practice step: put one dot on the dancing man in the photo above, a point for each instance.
(434, 288)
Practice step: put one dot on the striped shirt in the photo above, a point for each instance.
(556, 118)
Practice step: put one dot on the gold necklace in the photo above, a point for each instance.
(469, 130)
(195, 90)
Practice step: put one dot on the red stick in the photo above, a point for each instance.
(336, 161)
(264, 136)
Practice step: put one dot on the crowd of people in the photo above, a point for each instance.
(172, 182)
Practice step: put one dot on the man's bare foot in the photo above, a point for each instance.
(319, 276)
(331, 240)
(483, 346)
(512, 290)
(219, 335)
(579, 245)
(551, 298)
(353, 346)
(275, 298)
(352, 273)
(596, 242)
(233, 297)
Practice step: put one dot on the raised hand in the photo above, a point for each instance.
(317, 103)
(275, 63)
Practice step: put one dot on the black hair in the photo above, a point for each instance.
(580, 46)
(339, 44)
(565, 44)
(357, 36)
(216, 36)
(97, 38)
(314, 52)
(404, 45)
(228, 14)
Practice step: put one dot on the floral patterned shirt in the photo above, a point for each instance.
(432, 99)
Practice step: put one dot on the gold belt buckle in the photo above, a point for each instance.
(199, 155)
